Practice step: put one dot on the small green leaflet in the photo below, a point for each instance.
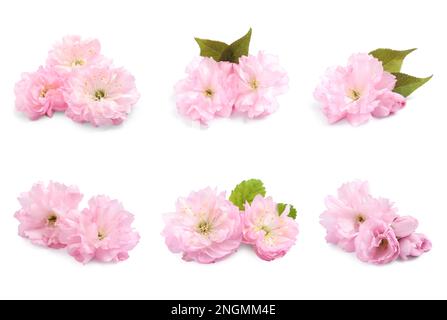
(210, 48)
(292, 213)
(407, 84)
(246, 191)
(391, 59)
(220, 51)
(237, 49)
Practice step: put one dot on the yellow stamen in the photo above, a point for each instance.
(254, 84)
(43, 93)
(52, 219)
(208, 93)
(354, 95)
(101, 235)
(204, 228)
(78, 63)
(267, 230)
(360, 218)
(100, 94)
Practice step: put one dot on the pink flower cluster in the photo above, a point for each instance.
(358, 222)
(219, 89)
(79, 81)
(271, 234)
(207, 228)
(359, 91)
(50, 217)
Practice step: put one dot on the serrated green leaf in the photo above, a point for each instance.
(391, 59)
(292, 212)
(210, 48)
(237, 49)
(281, 207)
(406, 84)
(246, 191)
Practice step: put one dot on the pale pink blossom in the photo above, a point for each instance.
(205, 228)
(73, 53)
(404, 226)
(376, 242)
(101, 232)
(40, 93)
(259, 80)
(43, 210)
(390, 102)
(101, 95)
(346, 213)
(354, 92)
(414, 246)
(207, 92)
(272, 235)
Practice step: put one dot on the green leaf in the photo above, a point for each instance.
(406, 84)
(292, 213)
(391, 59)
(237, 49)
(246, 191)
(211, 48)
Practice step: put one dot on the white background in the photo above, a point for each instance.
(156, 156)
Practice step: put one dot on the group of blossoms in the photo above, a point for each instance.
(207, 227)
(79, 81)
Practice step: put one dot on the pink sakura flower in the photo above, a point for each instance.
(346, 213)
(357, 91)
(390, 102)
(43, 210)
(205, 228)
(101, 95)
(414, 245)
(40, 93)
(376, 242)
(102, 232)
(259, 80)
(207, 91)
(73, 53)
(271, 234)
(404, 226)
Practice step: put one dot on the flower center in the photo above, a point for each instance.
(100, 94)
(254, 84)
(383, 244)
(43, 93)
(354, 95)
(51, 220)
(78, 63)
(204, 228)
(101, 235)
(360, 218)
(267, 230)
(209, 93)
